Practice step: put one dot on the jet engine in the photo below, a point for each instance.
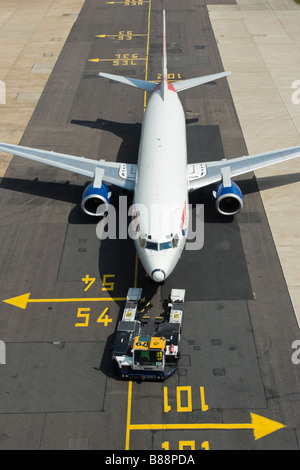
(229, 199)
(94, 197)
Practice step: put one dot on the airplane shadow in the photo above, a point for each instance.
(65, 192)
(268, 182)
(129, 133)
(72, 193)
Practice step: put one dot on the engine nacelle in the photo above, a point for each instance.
(93, 198)
(229, 199)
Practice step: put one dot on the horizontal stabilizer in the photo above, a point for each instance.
(141, 84)
(192, 82)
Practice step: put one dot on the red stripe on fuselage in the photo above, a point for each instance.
(170, 87)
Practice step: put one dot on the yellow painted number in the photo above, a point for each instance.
(85, 313)
(133, 2)
(187, 407)
(125, 59)
(107, 286)
(171, 76)
(104, 318)
(80, 314)
(180, 392)
(89, 281)
(122, 35)
(184, 444)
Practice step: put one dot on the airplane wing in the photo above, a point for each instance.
(119, 174)
(204, 174)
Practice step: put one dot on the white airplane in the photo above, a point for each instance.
(162, 179)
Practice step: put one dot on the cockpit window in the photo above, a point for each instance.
(151, 246)
(172, 243)
(160, 246)
(165, 245)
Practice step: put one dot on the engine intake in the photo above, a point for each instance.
(95, 201)
(229, 199)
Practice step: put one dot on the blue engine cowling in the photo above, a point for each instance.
(95, 201)
(229, 199)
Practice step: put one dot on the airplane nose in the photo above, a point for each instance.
(158, 275)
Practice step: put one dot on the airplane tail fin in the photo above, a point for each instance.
(164, 85)
(184, 84)
(164, 76)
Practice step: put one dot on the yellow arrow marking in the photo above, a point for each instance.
(21, 301)
(100, 60)
(119, 59)
(261, 426)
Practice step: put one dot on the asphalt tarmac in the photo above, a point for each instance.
(58, 389)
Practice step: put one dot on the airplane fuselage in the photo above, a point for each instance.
(161, 193)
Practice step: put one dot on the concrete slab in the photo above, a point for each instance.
(27, 96)
(33, 366)
(265, 62)
(73, 431)
(42, 67)
(32, 34)
(21, 424)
